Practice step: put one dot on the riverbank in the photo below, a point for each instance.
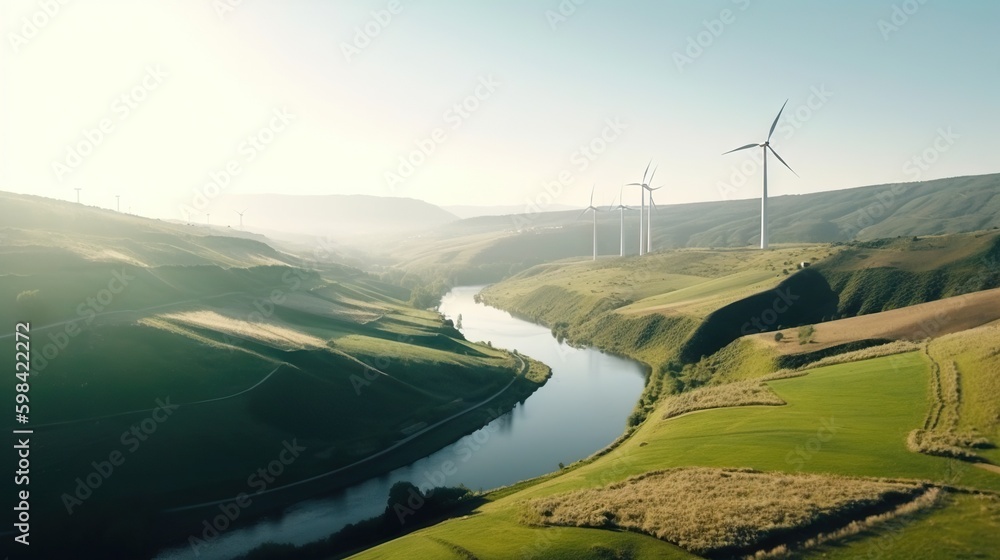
(580, 409)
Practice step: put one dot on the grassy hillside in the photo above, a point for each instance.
(685, 305)
(843, 420)
(220, 351)
(487, 249)
(891, 273)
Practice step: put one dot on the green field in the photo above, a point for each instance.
(848, 419)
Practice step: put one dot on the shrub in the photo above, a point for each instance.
(806, 333)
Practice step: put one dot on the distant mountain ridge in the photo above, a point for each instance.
(937, 207)
(334, 214)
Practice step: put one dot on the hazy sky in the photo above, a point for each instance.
(319, 97)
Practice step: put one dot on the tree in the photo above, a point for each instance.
(778, 336)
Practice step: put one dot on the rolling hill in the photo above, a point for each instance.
(723, 438)
(489, 248)
(186, 358)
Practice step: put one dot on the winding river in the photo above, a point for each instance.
(581, 409)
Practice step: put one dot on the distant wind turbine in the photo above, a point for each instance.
(118, 203)
(621, 214)
(77, 189)
(208, 220)
(642, 206)
(241, 216)
(763, 199)
(595, 210)
(649, 219)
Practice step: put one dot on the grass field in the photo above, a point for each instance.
(848, 419)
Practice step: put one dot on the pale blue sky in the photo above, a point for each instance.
(890, 92)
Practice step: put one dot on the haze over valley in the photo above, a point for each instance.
(495, 280)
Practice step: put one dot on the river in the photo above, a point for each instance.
(581, 409)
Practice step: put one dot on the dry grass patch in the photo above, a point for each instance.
(916, 322)
(271, 333)
(888, 349)
(726, 512)
(943, 432)
(737, 393)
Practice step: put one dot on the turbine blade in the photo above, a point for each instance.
(646, 171)
(592, 195)
(634, 185)
(775, 123)
(747, 147)
(651, 175)
(782, 161)
(582, 213)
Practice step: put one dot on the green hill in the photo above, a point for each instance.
(488, 248)
(220, 350)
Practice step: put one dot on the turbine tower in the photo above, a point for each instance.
(118, 203)
(621, 213)
(644, 186)
(763, 199)
(77, 189)
(241, 216)
(595, 210)
(649, 219)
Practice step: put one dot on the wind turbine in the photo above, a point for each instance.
(118, 203)
(241, 216)
(595, 210)
(208, 219)
(621, 213)
(763, 199)
(77, 189)
(642, 206)
(649, 218)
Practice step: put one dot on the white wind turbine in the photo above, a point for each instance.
(241, 216)
(642, 206)
(649, 218)
(621, 214)
(595, 210)
(763, 199)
